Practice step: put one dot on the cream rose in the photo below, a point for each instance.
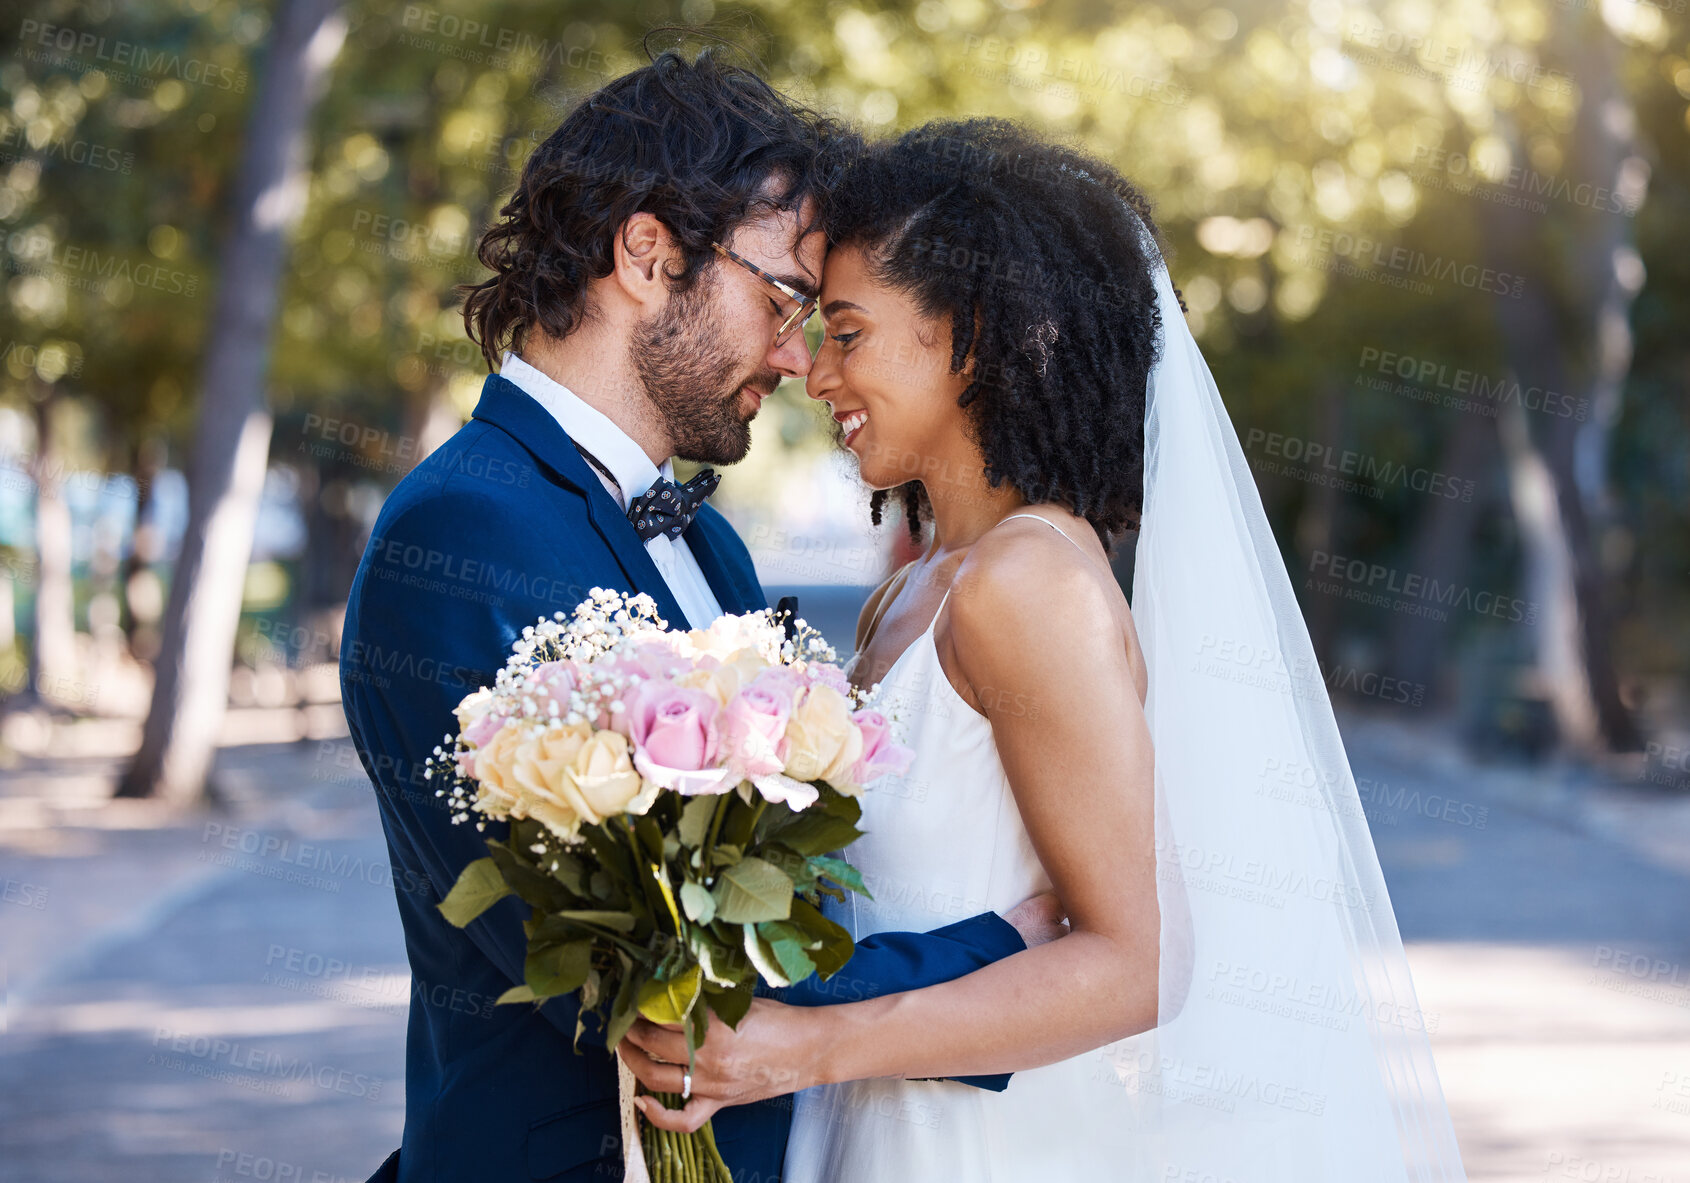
(473, 707)
(823, 742)
(601, 781)
(727, 635)
(493, 769)
(538, 768)
(720, 682)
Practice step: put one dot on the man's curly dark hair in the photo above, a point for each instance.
(695, 143)
(1042, 258)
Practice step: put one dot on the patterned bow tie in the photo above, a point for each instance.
(667, 509)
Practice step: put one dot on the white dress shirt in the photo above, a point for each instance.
(634, 472)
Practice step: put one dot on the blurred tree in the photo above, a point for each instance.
(232, 445)
(1328, 174)
(52, 656)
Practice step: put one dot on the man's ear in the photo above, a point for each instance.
(642, 257)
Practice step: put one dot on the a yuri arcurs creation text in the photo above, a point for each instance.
(675, 804)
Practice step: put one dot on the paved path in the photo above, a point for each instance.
(194, 1000)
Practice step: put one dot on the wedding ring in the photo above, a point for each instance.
(686, 1086)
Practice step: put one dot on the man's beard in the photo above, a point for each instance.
(692, 378)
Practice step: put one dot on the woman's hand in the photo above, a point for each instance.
(769, 1055)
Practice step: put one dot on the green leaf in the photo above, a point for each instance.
(700, 905)
(622, 1011)
(611, 854)
(536, 887)
(570, 873)
(795, 865)
(670, 1001)
(722, 964)
(829, 945)
(841, 872)
(694, 826)
(698, 1028)
(725, 854)
(753, 890)
(517, 994)
(768, 965)
(731, 1005)
(776, 815)
(650, 836)
(478, 888)
(833, 803)
(618, 921)
(789, 947)
(558, 969)
(817, 833)
(622, 1017)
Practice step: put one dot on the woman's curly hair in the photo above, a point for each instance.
(694, 143)
(1043, 260)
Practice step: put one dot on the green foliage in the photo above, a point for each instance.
(1257, 129)
(648, 915)
(480, 885)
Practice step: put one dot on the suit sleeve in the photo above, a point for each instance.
(892, 962)
(432, 626)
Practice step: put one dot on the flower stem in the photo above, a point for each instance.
(721, 1172)
(689, 1155)
(722, 805)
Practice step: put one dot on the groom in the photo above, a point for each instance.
(652, 274)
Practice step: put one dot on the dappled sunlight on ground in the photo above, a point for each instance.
(195, 993)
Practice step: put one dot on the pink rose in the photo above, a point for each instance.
(675, 737)
(553, 681)
(831, 676)
(658, 659)
(881, 757)
(477, 734)
(754, 727)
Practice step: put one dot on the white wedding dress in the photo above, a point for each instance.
(942, 843)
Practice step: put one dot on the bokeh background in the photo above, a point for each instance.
(1437, 253)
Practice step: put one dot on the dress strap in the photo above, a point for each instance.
(893, 587)
(1046, 521)
(931, 624)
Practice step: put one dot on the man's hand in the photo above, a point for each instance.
(1038, 919)
(766, 1056)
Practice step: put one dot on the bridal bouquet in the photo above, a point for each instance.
(675, 800)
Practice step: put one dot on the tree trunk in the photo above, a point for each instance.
(1551, 585)
(231, 448)
(143, 597)
(1576, 659)
(1442, 539)
(52, 656)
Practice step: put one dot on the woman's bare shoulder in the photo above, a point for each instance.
(1023, 589)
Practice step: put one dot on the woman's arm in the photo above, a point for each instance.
(1038, 647)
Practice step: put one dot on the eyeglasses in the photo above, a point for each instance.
(806, 304)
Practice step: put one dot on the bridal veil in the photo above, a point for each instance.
(1290, 1047)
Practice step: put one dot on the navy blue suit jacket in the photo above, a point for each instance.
(501, 525)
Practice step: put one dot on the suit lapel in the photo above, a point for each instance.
(504, 405)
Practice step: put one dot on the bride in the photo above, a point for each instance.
(1008, 362)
